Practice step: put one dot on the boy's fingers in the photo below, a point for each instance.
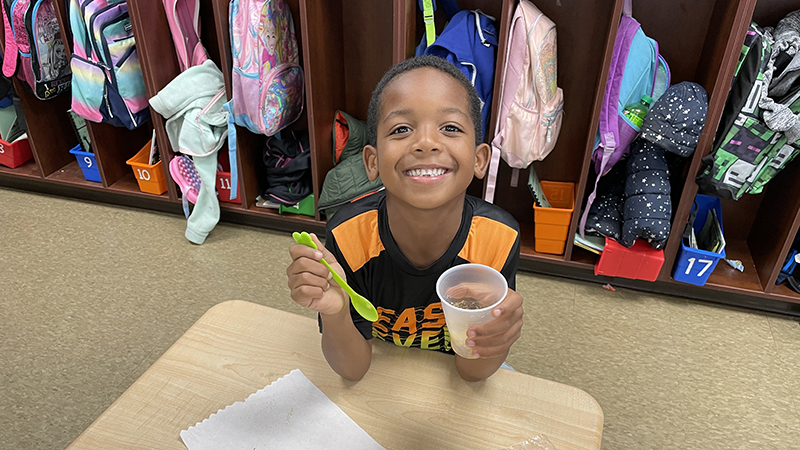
(325, 253)
(303, 251)
(502, 339)
(302, 265)
(308, 279)
(304, 295)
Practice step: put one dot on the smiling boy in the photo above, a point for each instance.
(425, 138)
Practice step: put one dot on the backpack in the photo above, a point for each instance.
(469, 42)
(758, 134)
(636, 69)
(532, 106)
(288, 162)
(268, 87)
(34, 47)
(183, 17)
(107, 83)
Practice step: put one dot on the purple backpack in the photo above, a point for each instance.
(637, 69)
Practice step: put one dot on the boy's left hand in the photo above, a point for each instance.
(496, 337)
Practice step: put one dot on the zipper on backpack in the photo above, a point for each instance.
(550, 119)
(108, 104)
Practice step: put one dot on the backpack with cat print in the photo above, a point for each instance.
(107, 83)
(33, 42)
(760, 131)
(531, 105)
(267, 80)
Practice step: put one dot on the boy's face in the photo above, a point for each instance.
(426, 138)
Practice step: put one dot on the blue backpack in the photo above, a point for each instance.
(469, 42)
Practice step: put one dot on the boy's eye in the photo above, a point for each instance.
(401, 129)
(451, 128)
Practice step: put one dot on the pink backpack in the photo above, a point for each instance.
(183, 17)
(531, 108)
(267, 78)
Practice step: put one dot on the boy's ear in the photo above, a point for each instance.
(370, 155)
(483, 153)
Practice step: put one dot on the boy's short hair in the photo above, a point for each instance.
(419, 62)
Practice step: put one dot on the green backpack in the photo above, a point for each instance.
(759, 132)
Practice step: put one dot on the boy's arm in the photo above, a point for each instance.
(492, 341)
(345, 349)
(343, 346)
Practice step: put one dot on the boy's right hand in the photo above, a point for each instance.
(310, 281)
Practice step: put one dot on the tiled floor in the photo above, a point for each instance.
(92, 294)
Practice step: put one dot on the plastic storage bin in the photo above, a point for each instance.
(15, 154)
(150, 177)
(693, 265)
(224, 188)
(224, 181)
(551, 225)
(640, 262)
(88, 164)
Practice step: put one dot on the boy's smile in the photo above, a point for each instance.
(426, 137)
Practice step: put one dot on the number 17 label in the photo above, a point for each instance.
(707, 262)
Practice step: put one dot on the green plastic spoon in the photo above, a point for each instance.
(361, 304)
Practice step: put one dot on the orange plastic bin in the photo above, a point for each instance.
(150, 177)
(551, 225)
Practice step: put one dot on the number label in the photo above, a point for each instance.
(707, 262)
(88, 162)
(225, 183)
(2, 149)
(143, 174)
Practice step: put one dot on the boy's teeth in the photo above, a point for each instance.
(426, 172)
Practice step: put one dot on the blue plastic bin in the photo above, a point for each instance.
(694, 266)
(88, 164)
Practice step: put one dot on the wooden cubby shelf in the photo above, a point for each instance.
(346, 46)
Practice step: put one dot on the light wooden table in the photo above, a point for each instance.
(409, 399)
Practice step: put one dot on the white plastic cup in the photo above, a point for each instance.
(468, 293)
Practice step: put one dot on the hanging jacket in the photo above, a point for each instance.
(197, 126)
(348, 179)
(648, 209)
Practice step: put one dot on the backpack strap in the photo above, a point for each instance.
(228, 106)
(427, 7)
(11, 51)
(515, 59)
(609, 112)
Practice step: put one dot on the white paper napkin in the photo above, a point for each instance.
(291, 413)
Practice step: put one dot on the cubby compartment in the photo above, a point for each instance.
(51, 143)
(358, 38)
(700, 42)
(582, 71)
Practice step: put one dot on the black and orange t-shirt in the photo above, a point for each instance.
(410, 312)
